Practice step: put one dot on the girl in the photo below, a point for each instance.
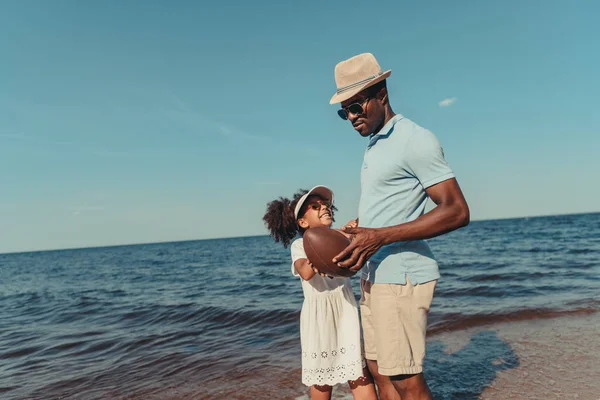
(329, 325)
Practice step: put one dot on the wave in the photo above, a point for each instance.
(508, 277)
(270, 263)
(542, 250)
(455, 322)
(581, 251)
(502, 290)
(231, 318)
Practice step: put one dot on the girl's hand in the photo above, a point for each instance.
(317, 271)
(353, 223)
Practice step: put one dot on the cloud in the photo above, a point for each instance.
(447, 102)
(234, 133)
(179, 104)
(111, 154)
(12, 135)
(267, 183)
(181, 112)
(82, 209)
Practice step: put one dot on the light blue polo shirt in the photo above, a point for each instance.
(400, 162)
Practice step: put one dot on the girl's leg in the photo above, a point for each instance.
(320, 392)
(363, 387)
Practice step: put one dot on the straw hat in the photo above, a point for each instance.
(356, 74)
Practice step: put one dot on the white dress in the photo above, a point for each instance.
(329, 328)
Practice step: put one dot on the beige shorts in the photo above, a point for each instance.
(394, 322)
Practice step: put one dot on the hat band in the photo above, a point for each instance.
(355, 84)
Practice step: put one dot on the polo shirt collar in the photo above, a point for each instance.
(388, 126)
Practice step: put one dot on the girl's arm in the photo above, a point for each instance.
(304, 268)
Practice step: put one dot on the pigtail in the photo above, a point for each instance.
(279, 220)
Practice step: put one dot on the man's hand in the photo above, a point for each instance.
(364, 243)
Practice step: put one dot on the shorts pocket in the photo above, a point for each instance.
(423, 294)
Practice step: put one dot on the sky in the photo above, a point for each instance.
(150, 121)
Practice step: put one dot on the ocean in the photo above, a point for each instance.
(219, 319)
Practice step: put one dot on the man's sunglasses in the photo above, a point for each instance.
(354, 108)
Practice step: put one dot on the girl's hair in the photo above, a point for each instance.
(280, 221)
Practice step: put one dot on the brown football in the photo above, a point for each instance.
(321, 244)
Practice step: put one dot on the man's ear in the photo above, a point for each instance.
(383, 95)
(303, 224)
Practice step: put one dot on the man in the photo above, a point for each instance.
(403, 166)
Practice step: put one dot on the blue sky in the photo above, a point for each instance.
(130, 122)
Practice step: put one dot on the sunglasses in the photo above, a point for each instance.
(317, 206)
(354, 108)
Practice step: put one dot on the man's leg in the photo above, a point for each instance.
(411, 387)
(399, 318)
(385, 387)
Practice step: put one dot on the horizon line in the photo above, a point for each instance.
(253, 236)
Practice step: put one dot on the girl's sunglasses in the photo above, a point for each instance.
(317, 206)
(354, 108)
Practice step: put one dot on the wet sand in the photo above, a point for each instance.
(553, 358)
(557, 358)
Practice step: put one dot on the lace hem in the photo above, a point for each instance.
(340, 373)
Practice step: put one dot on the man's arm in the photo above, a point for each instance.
(452, 212)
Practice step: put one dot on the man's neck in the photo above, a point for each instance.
(389, 114)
